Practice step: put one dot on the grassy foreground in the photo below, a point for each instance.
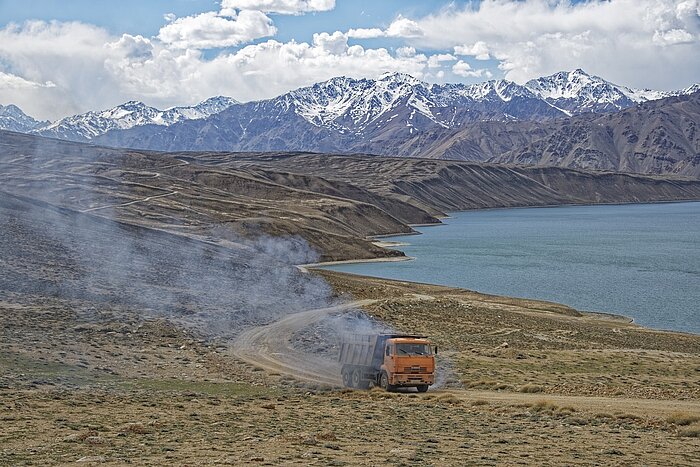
(524, 383)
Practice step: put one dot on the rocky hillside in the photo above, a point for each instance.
(334, 202)
(659, 137)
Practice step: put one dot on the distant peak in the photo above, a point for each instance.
(132, 104)
(226, 99)
(579, 71)
(11, 109)
(398, 76)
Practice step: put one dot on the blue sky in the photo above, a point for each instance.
(145, 17)
(64, 57)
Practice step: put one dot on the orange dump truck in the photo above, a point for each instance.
(387, 360)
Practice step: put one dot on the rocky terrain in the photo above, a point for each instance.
(659, 137)
(334, 202)
(139, 290)
(542, 385)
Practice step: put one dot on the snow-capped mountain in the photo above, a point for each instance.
(578, 92)
(13, 119)
(358, 105)
(365, 115)
(395, 114)
(85, 127)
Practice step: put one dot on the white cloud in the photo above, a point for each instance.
(132, 47)
(673, 36)
(10, 81)
(284, 7)
(435, 61)
(463, 69)
(400, 27)
(404, 27)
(365, 33)
(210, 30)
(478, 50)
(633, 42)
(406, 52)
(336, 43)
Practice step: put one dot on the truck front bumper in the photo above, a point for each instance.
(412, 379)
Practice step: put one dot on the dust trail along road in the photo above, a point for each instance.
(270, 347)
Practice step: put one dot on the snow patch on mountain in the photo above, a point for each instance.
(578, 92)
(13, 119)
(355, 104)
(128, 115)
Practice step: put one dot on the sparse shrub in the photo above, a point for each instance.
(531, 388)
(576, 421)
(690, 432)
(481, 384)
(327, 436)
(627, 416)
(136, 428)
(544, 406)
(479, 402)
(449, 399)
(682, 418)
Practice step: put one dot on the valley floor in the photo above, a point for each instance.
(523, 383)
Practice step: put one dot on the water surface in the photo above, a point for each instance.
(639, 260)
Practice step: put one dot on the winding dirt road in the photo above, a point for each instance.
(270, 347)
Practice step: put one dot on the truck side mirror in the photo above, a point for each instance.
(436, 350)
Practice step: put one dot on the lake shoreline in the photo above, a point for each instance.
(548, 206)
(397, 244)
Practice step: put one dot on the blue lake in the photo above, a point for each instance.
(638, 260)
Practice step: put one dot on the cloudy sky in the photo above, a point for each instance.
(61, 58)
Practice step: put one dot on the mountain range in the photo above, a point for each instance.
(397, 114)
(84, 127)
(13, 119)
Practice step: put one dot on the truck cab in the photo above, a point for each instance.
(408, 361)
(387, 360)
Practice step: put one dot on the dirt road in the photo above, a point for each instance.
(270, 347)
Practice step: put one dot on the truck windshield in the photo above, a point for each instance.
(413, 349)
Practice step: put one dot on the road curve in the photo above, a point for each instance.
(270, 347)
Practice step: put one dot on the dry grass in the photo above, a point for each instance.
(690, 432)
(544, 406)
(531, 388)
(136, 428)
(449, 399)
(682, 418)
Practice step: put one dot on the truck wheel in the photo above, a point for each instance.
(384, 382)
(422, 387)
(347, 380)
(356, 379)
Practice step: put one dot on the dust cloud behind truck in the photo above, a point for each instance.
(387, 360)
